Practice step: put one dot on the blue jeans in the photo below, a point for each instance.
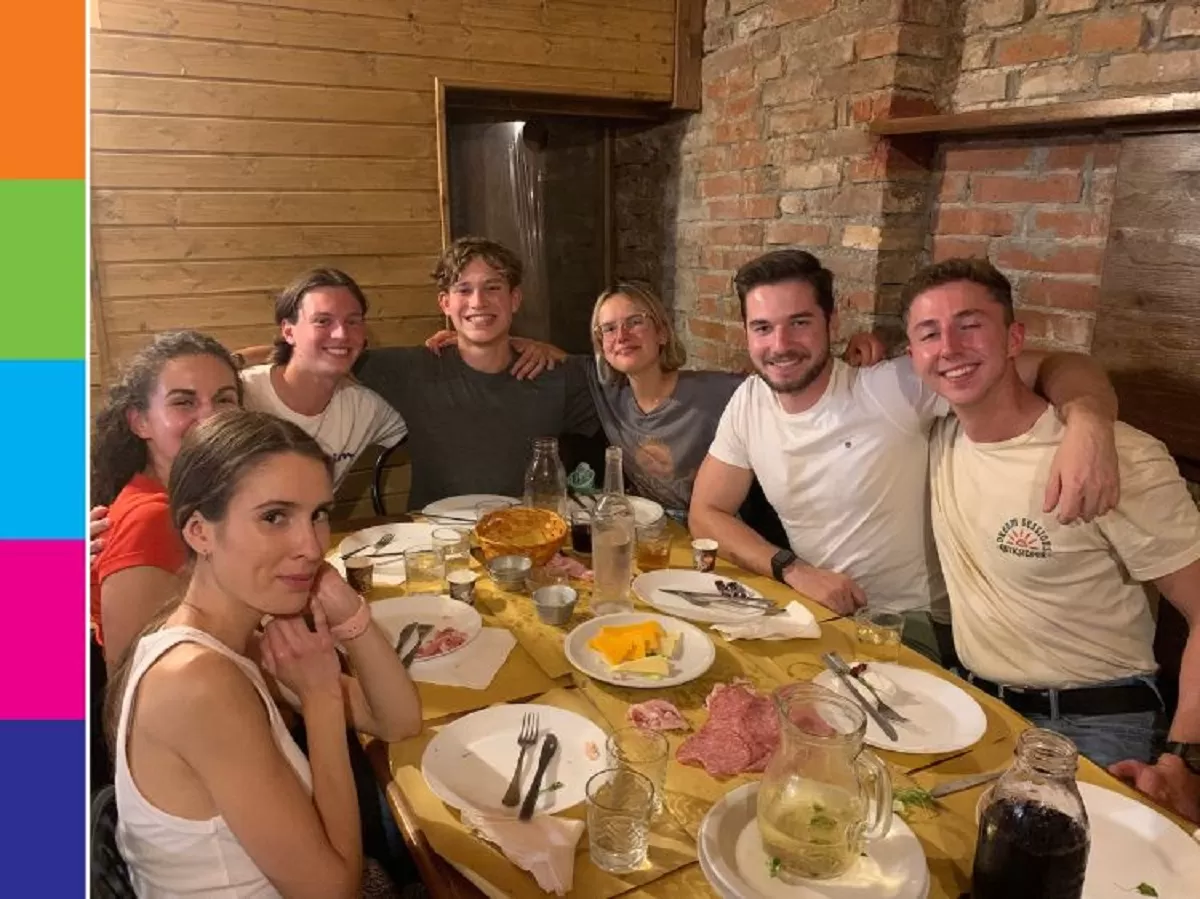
(1106, 739)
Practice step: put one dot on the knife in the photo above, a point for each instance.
(405, 633)
(963, 783)
(884, 724)
(758, 602)
(549, 747)
(422, 632)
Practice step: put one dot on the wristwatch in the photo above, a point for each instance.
(779, 563)
(1189, 752)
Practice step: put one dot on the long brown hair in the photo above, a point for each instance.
(214, 459)
(117, 453)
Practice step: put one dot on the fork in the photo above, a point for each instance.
(880, 705)
(526, 738)
(374, 547)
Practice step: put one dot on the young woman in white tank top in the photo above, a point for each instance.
(214, 797)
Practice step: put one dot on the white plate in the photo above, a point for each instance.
(732, 859)
(649, 587)
(942, 717)
(1132, 844)
(464, 506)
(693, 656)
(388, 572)
(469, 762)
(440, 611)
(645, 511)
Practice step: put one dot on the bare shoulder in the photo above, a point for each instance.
(193, 689)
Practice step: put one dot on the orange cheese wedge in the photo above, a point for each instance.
(627, 643)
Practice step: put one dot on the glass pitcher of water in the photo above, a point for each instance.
(822, 796)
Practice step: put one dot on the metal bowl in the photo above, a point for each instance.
(509, 572)
(556, 604)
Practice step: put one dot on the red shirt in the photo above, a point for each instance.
(141, 534)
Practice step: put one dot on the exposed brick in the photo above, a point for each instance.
(817, 174)
(725, 60)
(797, 234)
(980, 87)
(1056, 328)
(792, 120)
(999, 13)
(976, 52)
(1049, 256)
(742, 208)
(1184, 21)
(880, 42)
(888, 104)
(708, 306)
(765, 45)
(1066, 7)
(1068, 225)
(712, 284)
(706, 330)
(1151, 68)
(1064, 188)
(867, 75)
(862, 237)
(846, 142)
(1107, 154)
(1032, 47)
(792, 89)
(722, 186)
(734, 235)
(748, 156)
(713, 159)
(900, 40)
(953, 187)
(769, 69)
(1067, 78)
(716, 9)
(792, 204)
(1059, 293)
(740, 6)
(1067, 156)
(856, 200)
(860, 300)
(1111, 34)
(784, 11)
(975, 221)
(986, 158)
(953, 247)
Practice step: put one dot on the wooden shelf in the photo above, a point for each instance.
(1087, 115)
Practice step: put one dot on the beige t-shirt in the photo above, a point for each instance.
(1039, 604)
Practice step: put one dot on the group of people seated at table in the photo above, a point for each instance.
(986, 492)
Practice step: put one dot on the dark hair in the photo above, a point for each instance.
(117, 453)
(466, 250)
(287, 304)
(949, 271)
(780, 266)
(214, 459)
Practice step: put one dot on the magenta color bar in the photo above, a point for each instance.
(43, 638)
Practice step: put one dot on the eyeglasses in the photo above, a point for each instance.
(634, 322)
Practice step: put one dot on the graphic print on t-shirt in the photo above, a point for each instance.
(1025, 538)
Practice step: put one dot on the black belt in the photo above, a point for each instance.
(1116, 700)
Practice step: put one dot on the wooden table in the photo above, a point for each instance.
(537, 671)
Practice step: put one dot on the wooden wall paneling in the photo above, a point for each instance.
(689, 50)
(192, 171)
(250, 207)
(1148, 323)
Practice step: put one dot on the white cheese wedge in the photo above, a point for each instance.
(656, 666)
(670, 642)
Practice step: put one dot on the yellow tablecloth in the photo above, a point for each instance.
(539, 666)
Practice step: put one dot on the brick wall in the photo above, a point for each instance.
(780, 155)
(1020, 52)
(1040, 212)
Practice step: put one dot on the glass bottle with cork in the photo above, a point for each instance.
(613, 541)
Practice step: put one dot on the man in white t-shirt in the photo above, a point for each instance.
(842, 455)
(322, 333)
(1054, 619)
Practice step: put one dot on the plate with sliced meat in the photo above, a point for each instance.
(455, 624)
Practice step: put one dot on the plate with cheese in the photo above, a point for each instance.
(634, 649)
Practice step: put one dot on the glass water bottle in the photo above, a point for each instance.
(546, 479)
(613, 541)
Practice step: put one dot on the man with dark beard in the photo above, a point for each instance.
(842, 455)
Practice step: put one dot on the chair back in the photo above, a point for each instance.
(110, 874)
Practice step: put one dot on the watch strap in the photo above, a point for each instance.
(1189, 752)
(780, 561)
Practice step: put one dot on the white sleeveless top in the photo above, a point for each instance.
(170, 856)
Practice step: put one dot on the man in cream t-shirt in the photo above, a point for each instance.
(322, 332)
(842, 456)
(1053, 618)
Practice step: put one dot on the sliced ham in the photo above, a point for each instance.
(570, 567)
(442, 641)
(656, 714)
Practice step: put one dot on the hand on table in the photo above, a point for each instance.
(831, 589)
(1168, 782)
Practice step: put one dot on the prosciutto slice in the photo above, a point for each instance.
(656, 714)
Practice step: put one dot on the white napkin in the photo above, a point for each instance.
(796, 621)
(544, 845)
(473, 666)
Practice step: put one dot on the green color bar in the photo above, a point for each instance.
(43, 254)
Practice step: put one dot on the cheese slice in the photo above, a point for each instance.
(651, 665)
(627, 643)
(670, 643)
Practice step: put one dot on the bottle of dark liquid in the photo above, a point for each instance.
(1033, 830)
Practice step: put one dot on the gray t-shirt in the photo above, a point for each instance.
(469, 431)
(663, 448)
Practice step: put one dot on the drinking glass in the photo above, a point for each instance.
(879, 634)
(654, 545)
(620, 803)
(455, 546)
(643, 751)
(581, 532)
(424, 570)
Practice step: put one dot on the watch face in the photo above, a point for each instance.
(1190, 753)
